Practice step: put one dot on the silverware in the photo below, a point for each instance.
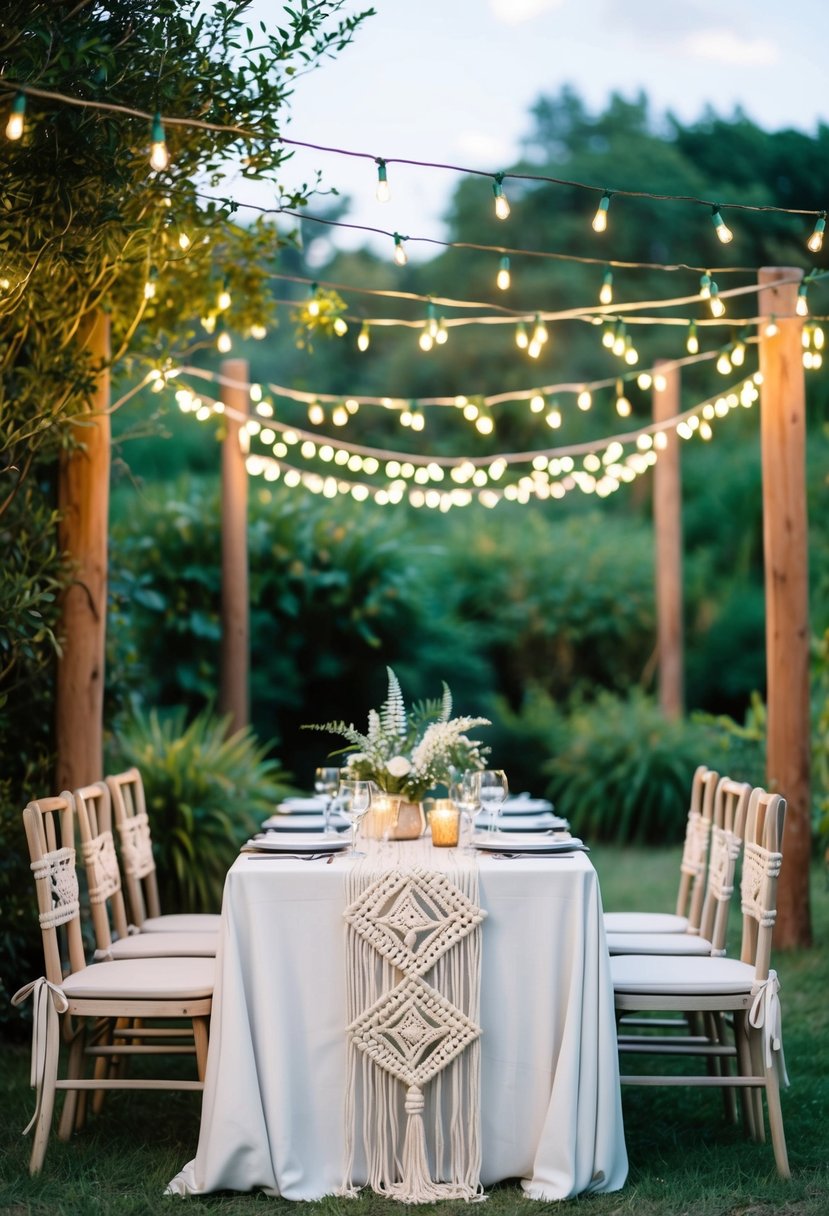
(255, 854)
(534, 853)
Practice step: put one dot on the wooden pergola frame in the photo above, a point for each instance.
(84, 498)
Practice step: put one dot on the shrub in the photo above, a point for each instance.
(624, 772)
(205, 792)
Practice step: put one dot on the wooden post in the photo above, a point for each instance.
(667, 522)
(235, 645)
(785, 545)
(83, 501)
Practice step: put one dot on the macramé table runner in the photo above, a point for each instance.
(413, 944)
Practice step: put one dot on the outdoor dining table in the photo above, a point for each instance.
(273, 1113)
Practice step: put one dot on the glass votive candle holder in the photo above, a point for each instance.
(445, 819)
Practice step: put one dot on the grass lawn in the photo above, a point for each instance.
(685, 1160)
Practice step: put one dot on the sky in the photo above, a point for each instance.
(454, 80)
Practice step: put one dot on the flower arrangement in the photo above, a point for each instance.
(410, 753)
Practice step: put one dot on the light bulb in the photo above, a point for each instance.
(425, 341)
(184, 242)
(502, 279)
(442, 332)
(383, 193)
(802, 305)
(818, 337)
(584, 400)
(534, 348)
(400, 256)
(715, 303)
(540, 334)
(149, 286)
(608, 337)
(631, 353)
(623, 406)
(537, 403)
(692, 341)
(738, 354)
(363, 337)
(553, 419)
(723, 231)
(340, 415)
(223, 342)
(159, 156)
(258, 332)
(316, 414)
(772, 329)
(223, 300)
(14, 127)
(705, 286)
(724, 364)
(619, 340)
(815, 241)
(340, 327)
(644, 380)
(501, 202)
(521, 339)
(606, 290)
(600, 218)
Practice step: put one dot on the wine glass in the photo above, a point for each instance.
(492, 791)
(354, 800)
(463, 791)
(326, 783)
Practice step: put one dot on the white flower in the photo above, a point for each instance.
(398, 766)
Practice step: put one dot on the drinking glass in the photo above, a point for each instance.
(354, 800)
(326, 783)
(464, 793)
(492, 789)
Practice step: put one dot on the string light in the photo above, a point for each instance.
(724, 363)
(14, 126)
(258, 332)
(606, 290)
(692, 341)
(316, 414)
(502, 279)
(502, 208)
(363, 337)
(400, 255)
(223, 300)
(150, 285)
(537, 403)
(723, 231)
(313, 307)
(584, 400)
(383, 193)
(738, 353)
(442, 335)
(802, 305)
(815, 241)
(600, 218)
(224, 343)
(772, 328)
(705, 286)
(553, 418)
(521, 339)
(715, 303)
(340, 327)
(623, 406)
(608, 336)
(159, 156)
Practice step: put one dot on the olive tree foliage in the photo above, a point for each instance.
(86, 224)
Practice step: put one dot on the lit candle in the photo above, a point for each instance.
(445, 820)
(381, 820)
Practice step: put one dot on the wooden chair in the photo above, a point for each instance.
(731, 800)
(93, 810)
(692, 870)
(140, 881)
(744, 989)
(79, 1004)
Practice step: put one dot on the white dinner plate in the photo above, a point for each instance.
(522, 804)
(304, 806)
(507, 842)
(526, 823)
(283, 842)
(302, 823)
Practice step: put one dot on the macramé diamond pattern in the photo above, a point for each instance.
(413, 1032)
(413, 917)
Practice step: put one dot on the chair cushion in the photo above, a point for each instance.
(644, 922)
(182, 922)
(165, 945)
(658, 943)
(159, 979)
(676, 976)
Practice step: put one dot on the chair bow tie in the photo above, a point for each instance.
(766, 1015)
(49, 1001)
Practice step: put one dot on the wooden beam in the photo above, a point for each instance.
(785, 543)
(83, 502)
(234, 696)
(667, 523)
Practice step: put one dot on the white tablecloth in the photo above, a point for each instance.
(272, 1112)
